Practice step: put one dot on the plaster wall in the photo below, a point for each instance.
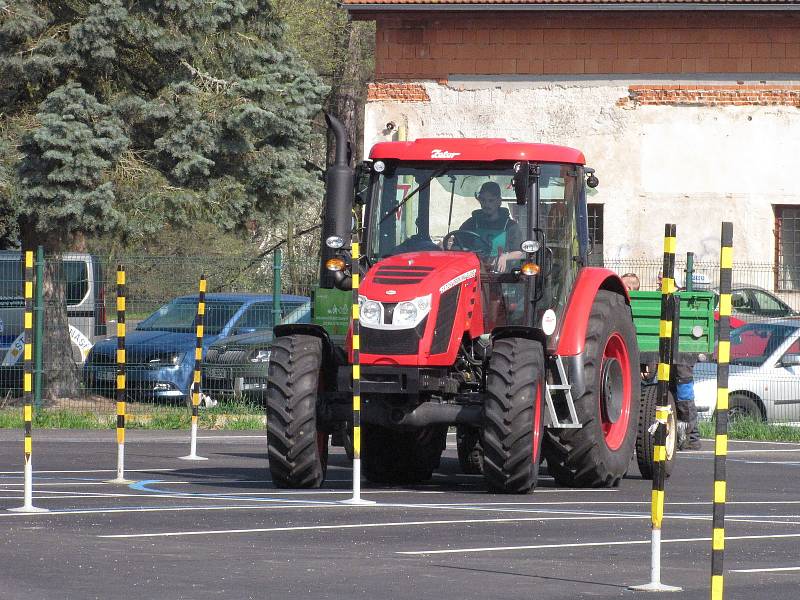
(690, 165)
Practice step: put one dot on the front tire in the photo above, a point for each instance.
(298, 453)
(513, 416)
(598, 454)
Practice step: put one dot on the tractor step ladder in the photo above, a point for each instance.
(561, 385)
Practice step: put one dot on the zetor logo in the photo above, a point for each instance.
(436, 153)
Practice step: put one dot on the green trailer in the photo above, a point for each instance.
(696, 325)
(696, 333)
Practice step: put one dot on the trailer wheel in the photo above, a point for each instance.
(470, 450)
(645, 441)
(298, 453)
(598, 454)
(391, 456)
(513, 416)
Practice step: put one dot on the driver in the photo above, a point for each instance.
(493, 223)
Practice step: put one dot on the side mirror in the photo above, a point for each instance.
(241, 330)
(521, 181)
(591, 181)
(790, 360)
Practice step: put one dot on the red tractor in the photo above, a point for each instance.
(477, 310)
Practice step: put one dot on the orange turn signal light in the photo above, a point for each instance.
(335, 264)
(529, 269)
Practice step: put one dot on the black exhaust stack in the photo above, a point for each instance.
(337, 215)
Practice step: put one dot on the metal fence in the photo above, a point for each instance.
(76, 348)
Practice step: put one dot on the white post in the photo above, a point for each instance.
(28, 506)
(193, 444)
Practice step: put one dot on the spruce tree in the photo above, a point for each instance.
(122, 116)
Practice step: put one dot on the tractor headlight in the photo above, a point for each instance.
(370, 312)
(410, 313)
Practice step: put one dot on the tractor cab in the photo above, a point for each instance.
(514, 207)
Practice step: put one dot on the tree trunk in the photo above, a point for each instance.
(346, 99)
(61, 378)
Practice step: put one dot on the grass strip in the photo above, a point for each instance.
(750, 429)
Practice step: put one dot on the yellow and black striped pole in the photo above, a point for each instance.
(666, 342)
(121, 376)
(721, 437)
(27, 385)
(199, 322)
(356, 344)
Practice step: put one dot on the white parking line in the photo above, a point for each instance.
(358, 526)
(772, 570)
(592, 544)
(37, 472)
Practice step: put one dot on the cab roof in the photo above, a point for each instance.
(475, 149)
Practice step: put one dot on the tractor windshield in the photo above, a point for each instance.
(418, 206)
(463, 207)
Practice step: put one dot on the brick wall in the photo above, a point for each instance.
(430, 46)
(712, 95)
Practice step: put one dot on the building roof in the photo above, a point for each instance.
(470, 5)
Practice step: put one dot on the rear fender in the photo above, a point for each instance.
(571, 336)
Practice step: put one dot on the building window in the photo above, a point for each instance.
(595, 234)
(787, 248)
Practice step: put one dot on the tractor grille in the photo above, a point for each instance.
(392, 341)
(401, 275)
(448, 305)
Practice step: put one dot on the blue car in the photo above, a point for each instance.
(160, 351)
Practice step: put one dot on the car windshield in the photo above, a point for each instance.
(178, 316)
(754, 343)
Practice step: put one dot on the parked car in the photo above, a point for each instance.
(764, 373)
(237, 366)
(752, 303)
(160, 351)
(82, 277)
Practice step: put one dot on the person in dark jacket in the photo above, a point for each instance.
(493, 223)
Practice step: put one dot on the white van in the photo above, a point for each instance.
(85, 295)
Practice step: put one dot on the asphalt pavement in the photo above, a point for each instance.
(219, 529)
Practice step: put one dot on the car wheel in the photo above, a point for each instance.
(743, 407)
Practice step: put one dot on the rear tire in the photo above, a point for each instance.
(298, 453)
(513, 416)
(598, 454)
(645, 441)
(391, 456)
(470, 450)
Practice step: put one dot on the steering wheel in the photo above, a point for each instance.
(471, 235)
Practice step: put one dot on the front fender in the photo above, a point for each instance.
(571, 336)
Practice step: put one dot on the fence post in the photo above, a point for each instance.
(666, 352)
(121, 373)
(689, 284)
(38, 309)
(27, 379)
(198, 360)
(721, 433)
(277, 266)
